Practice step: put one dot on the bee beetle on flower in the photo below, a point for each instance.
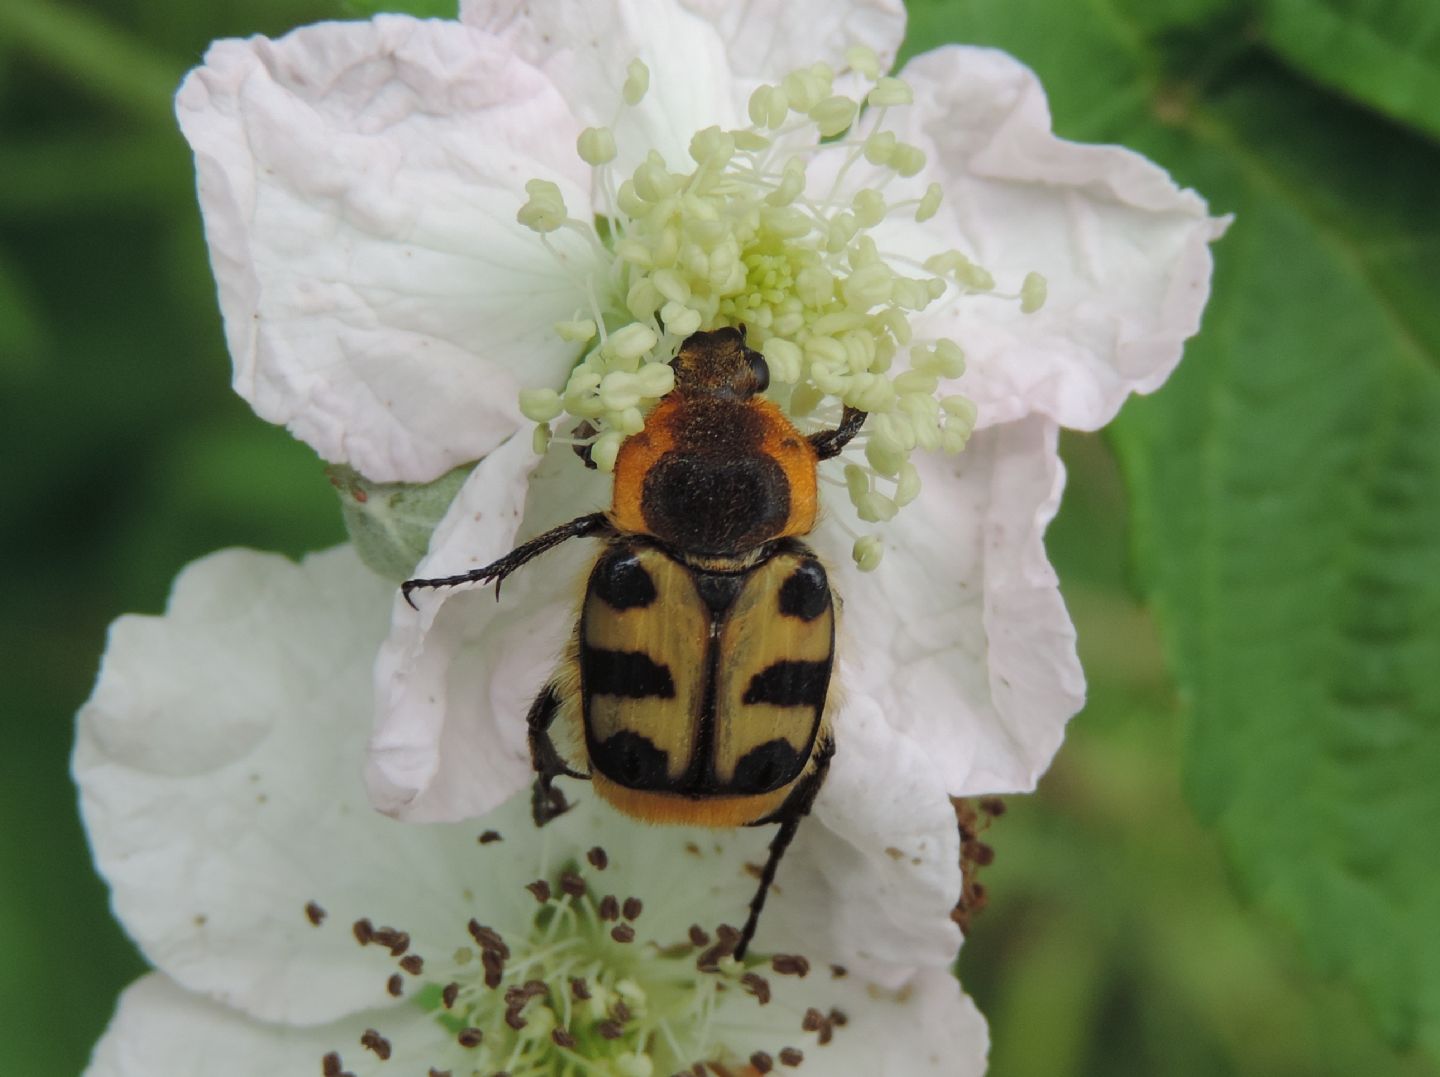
(695, 688)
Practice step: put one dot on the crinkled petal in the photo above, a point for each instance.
(585, 47)
(161, 1030)
(219, 765)
(1125, 251)
(767, 39)
(359, 183)
(971, 652)
(454, 681)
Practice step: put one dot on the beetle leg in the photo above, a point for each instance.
(795, 808)
(595, 523)
(546, 802)
(829, 443)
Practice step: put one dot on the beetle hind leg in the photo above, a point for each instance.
(546, 801)
(795, 808)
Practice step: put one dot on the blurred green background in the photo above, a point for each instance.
(1114, 942)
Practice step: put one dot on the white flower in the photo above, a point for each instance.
(361, 184)
(218, 762)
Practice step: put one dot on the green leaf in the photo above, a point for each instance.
(1286, 484)
(1386, 55)
(1287, 493)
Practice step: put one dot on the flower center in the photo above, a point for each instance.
(776, 230)
(581, 990)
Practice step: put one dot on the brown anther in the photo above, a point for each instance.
(599, 859)
(492, 961)
(827, 1033)
(761, 1062)
(609, 908)
(489, 837)
(493, 977)
(562, 1038)
(541, 889)
(622, 933)
(839, 971)
(710, 959)
(372, 1040)
(395, 985)
(727, 934)
(982, 854)
(632, 908)
(839, 1018)
(314, 913)
(755, 871)
(579, 989)
(992, 805)
(450, 994)
(397, 941)
(330, 1065)
(699, 936)
(610, 1030)
(439, 1073)
(534, 989)
(572, 884)
(790, 1056)
(813, 1020)
(488, 939)
(620, 1011)
(469, 1037)
(514, 1020)
(790, 965)
(414, 964)
(364, 931)
(757, 985)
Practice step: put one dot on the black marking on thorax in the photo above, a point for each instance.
(716, 491)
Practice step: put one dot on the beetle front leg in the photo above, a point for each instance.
(595, 524)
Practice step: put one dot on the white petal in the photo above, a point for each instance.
(876, 872)
(925, 1026)
(968, 650)
(1125, 252)
(359, 183)
(929, 1026)
(454, 681)
(585, 46)
(219, 760)
(161, 1030)
(767, 39)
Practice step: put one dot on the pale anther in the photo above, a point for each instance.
(1032, 293)
(637, 82)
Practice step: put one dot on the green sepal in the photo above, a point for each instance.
(390, 523)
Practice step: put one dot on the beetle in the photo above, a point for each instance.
(695, 688)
